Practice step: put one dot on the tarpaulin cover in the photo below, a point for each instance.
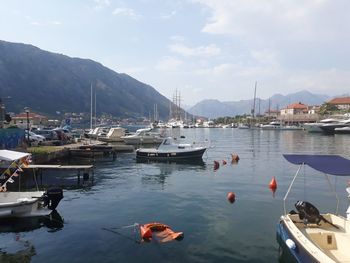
(329, 164)
(7, 155)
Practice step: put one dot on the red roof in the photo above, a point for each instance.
(344, 100)
(298, 105)
(31, 115)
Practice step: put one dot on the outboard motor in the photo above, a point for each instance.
(308, 212)
(52, 197)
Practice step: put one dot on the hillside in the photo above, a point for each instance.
(49, 82)
(214, 109)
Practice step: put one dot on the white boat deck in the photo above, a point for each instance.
(330, 240)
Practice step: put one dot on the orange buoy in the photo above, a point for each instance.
(224, 162)
(273, 184)
(234, 158)
(231, 197)
(216, 165)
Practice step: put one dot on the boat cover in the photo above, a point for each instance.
(329, 164)
(7, 155)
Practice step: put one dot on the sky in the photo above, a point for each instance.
(203, 49)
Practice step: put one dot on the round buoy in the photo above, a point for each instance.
(224, 162)
(273, 184)
(231, 197)
(216, 165)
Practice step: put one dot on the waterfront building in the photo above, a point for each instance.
(341, 103)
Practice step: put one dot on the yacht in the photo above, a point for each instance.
(143, 136)
(316, 126)
(329, 128)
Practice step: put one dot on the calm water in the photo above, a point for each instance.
(188, 197)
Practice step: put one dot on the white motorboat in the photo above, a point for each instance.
(307, 235)
(170, 150)
(316, 126)
(143, 136)
(113, 135)
(329, 128)
(23, 204)
(274, 125)
(342, 130)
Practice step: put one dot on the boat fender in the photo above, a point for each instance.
(290, 244)
(52, 197)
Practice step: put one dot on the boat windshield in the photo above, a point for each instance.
(329, 164)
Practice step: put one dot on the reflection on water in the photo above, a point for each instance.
(24, 253)
(18, 248)
(53, 222)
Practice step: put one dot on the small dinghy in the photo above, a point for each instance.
(306, 235)
(23, 203)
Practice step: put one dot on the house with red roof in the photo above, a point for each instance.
(295, 109)
(31, 118)
(341, 103)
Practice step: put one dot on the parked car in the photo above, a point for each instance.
(33, 137)
(48, 134)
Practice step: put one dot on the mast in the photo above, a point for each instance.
(95, 110)
(253, 110)
(91, 107)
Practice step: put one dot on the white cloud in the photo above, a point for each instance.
(100, 4)
(168, 64)
(127, 12)
(270, 22)
(206, 51)
(168, 16)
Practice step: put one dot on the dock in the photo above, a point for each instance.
(84, 169)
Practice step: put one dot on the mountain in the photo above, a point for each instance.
(49, 82)
(215, 108)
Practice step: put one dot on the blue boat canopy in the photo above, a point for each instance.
(329, 164)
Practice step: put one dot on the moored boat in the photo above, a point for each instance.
(308, 235)
(170, 150)
(143, 136)
(23, 204)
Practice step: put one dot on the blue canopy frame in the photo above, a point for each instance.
(329, 164)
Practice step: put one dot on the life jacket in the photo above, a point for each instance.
(162, 232)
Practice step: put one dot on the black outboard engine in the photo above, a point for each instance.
(308, 212)
(52, 197)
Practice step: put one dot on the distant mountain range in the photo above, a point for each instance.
(215, 108)
(49, 82)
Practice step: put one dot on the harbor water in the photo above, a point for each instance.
(95, 221)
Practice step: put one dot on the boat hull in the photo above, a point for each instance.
(22, 207)
(299, 254)
(171, 155)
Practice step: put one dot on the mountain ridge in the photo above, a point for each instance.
(210, 109)
(48, 82)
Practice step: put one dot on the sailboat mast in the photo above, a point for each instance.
(253, 111)
(91, 106)
(95, 110)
